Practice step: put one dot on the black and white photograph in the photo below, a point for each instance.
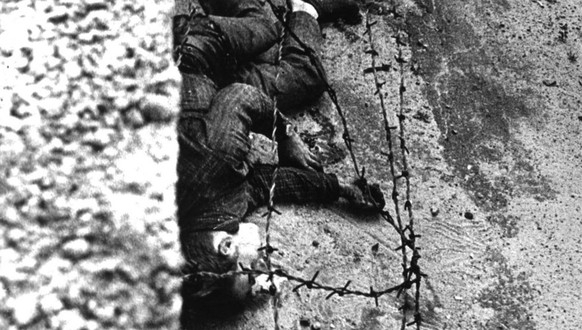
(290, 164)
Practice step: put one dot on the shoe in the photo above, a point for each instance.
(331, 10)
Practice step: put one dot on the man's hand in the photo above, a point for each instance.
(263, 285)
(363, 196)
(294, 152)
(353, 195)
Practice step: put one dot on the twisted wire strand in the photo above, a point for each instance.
(311, 284)
(328, 88)
(374, 54)
(271, 209)
(409, 267)
(414, 267)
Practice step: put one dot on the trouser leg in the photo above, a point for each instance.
(247, 37)
(213, 45)
(296, 79)
(236, 110)
(234, 8)
(214, 147)
(243, 23)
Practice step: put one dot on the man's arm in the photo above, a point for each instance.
(292, 185)
(292, 150)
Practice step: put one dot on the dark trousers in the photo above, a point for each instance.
(226, 94)
(228, 39)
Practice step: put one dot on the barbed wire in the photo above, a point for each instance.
(313, 58)
(414, 267)
(409, 268)
(374, 54)
(303, 282)
(411, 272)
(271, 209)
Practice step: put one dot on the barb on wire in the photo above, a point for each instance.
(268, 248)
(414, 268)
(411, 272)
(311, 284)
(328, 88)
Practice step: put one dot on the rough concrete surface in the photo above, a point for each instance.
(87, 234)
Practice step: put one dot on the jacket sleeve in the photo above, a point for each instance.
(292, 185)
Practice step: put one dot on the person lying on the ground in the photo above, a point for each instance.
(223, 100)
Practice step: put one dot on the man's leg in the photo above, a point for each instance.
(235, 111)
(213, 45)
(234, 8)
(296, 80)
(212, 165)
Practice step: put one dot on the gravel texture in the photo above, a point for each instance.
(87, 151)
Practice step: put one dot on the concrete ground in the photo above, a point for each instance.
(494, 131)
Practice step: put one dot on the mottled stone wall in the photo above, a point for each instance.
(88, 94)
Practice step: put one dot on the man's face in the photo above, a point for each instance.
(244, 247)
(248, 241)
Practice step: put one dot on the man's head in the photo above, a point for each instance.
(220, 252)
